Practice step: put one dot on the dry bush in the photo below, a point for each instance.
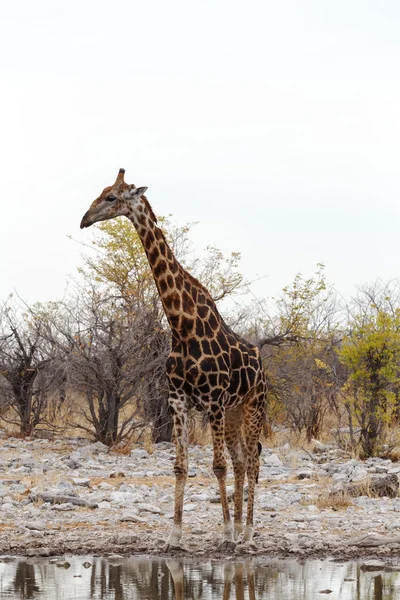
(122, 449)
(339, 501)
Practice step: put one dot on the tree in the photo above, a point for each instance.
(114, 360)
(297, 343)
(23, 383)
(371, 353)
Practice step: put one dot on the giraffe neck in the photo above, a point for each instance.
(185, 301)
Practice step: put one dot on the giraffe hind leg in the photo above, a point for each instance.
(253, 417)
(237, 450)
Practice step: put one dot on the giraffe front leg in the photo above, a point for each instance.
(179, 416)
(217, 423)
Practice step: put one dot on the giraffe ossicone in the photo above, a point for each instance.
(209, 367)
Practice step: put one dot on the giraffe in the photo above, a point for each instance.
(209, 367)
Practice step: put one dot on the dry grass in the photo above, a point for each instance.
(122, 449)
(339, 501)
(327, 500)
(394, 455)
(11, 432)
(148, 481)
(85, 525)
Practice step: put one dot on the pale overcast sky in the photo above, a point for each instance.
(275, 124)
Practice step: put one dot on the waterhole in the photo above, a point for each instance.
(88, 577)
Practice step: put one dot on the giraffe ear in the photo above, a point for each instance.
(140, 191)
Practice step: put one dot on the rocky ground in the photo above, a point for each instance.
(71, 496)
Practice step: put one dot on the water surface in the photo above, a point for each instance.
(94, 578)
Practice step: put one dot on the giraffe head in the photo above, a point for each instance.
(120, 199)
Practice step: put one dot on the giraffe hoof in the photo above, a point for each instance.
(227, 546)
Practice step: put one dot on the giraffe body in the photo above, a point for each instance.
(209, 367)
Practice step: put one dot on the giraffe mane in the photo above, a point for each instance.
(151, 211)
(197, 283)
(192, 279)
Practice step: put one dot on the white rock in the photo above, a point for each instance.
(35, 526)
(272, 461)
(84, 482)
(139, 453)
(150, 508)
(199, 497)
(20, 470)
(166, 498)
(96, 448)
(65, 507)
(132, 518)
(105, 486)
(137, 474)
(119, 497)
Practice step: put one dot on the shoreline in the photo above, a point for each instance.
(111, 504)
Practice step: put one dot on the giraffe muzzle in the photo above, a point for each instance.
(85, 221)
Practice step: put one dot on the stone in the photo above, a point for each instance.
(64, 564)
(306, 474)
(320, 448)
(381, 469)
(82, 481)
(116, 474)
(139, 453)
(105, 486)
(21, 469)
(372, 565)
(95, 448)
(72, 463)
(132, 518)
(150, 508)
(64, 507)
(126, 538)
(35, 526)
(272, 460)
(199, 497)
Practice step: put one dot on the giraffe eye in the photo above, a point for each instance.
(110, 198)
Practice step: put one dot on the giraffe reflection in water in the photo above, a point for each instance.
(25, 580)
(234, 576)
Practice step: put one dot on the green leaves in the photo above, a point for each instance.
(371, 353)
